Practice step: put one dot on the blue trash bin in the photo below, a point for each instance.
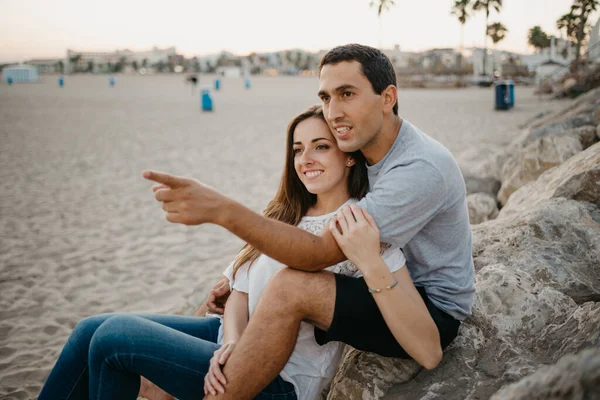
(511, 93)
(61, 81)
(206, 100)
(217, 84)
(502, 96)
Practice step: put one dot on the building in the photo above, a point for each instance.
(20, 73)
(99, 62)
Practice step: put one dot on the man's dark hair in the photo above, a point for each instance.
(375, 65)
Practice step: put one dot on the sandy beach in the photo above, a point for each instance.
(80, 231)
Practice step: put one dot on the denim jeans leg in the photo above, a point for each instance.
(279, 389)
(127, 346)
(69, 377)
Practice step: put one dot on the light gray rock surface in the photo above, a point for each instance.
(482, 207)
(474, 185)
(578, 178)
(573, 377)
(526, 164)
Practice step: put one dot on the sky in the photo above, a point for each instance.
(45, 29)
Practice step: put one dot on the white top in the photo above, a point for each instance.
(311, 366)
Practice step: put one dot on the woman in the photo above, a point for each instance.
(106, 354)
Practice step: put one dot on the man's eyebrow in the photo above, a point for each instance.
(343, 88)
(339, 89)
(314, 140)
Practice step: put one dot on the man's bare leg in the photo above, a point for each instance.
(263, 350)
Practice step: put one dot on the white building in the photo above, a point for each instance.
(20, 73)
(594, 42)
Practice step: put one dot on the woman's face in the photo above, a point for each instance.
(319, 163)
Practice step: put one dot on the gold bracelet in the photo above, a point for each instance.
(393, 285)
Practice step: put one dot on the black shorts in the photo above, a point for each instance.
(358, 322)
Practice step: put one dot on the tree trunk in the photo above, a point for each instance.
(487, 14)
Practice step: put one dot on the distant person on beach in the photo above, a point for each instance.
(417, 198)
(106, 355)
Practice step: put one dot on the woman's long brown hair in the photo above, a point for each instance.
(292, 200)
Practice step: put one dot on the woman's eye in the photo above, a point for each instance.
(297, 151)
(322, 147)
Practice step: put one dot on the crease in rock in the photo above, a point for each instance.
(573, 377)
(557, 243)
(578, 178)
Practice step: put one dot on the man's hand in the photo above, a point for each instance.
(215, 303)
(357, 235)
(187, 201)
(215, 380)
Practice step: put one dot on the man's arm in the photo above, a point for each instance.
(190, 202)
(285, 243)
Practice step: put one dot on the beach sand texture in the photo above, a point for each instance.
(80, 231)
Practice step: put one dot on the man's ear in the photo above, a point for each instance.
(389, 97)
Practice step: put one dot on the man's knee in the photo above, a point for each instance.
(284, 288)
(294, 291)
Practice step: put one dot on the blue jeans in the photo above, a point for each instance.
(106, 354)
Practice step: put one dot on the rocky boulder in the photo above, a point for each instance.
(482, 207)
(474, 184)
(573, 377)
(578, 178)
(526, 164)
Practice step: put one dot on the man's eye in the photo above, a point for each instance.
(347, 94)
(325, 99)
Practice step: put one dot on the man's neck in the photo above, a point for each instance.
(376, 149)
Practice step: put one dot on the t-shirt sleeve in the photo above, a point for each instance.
(241, 281)
(404, 199)
(394, 258)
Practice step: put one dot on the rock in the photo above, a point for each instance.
(561, 126)
(482, 185)
(598, 131)
(557, 243)
(573, 377)
(530, 162)
(578, 178)
(482, 207)
(512, 319)
(366, 376)
(585, 134)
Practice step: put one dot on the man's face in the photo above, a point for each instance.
(354, 112)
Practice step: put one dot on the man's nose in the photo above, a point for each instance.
(334, 110)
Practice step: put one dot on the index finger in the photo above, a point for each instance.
(166, 179)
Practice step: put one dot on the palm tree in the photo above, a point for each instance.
(538, 39)
(382, 5)
(497, 32)
(485, 5)
(583, 9)
(460, 11)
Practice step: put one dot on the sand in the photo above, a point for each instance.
(80, 231)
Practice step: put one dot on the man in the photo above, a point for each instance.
(418, 200)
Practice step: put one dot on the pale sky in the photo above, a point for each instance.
(45, 29)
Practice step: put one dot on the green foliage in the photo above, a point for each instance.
(382, 5)
(460, 10)
(537, 38)
(497, 32)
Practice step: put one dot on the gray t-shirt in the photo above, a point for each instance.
(418, 199)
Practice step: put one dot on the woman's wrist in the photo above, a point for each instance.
(374, 269)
